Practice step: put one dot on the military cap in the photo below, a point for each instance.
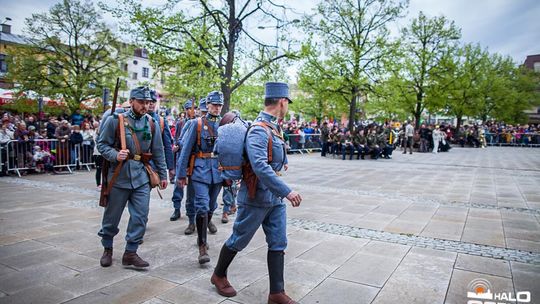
(276, 90)
(188, 104)
(153, 95)
(142, 93)
(202, 105)
(215, 97)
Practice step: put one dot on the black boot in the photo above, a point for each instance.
(276, 263)
(219, 277)
(175, 215)
(225, 258)
(202, 225)
(211, 227)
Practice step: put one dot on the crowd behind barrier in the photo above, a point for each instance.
(68, 142)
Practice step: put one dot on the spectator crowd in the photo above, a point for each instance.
(69, 141)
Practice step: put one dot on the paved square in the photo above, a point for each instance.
(415, 229)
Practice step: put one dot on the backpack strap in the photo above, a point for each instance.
(270, 129)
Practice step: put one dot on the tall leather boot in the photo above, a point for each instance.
(211, 227)
(202, 225)
(219, 277)
(276, 264)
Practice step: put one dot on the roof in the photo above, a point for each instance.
(15, 39)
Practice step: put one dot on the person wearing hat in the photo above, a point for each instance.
(165, 133)
(202, 107)
(178, 194)
(132, 183)
(198, 162)
(264, 207)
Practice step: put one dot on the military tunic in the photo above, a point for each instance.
(132, 183)
(267, 208)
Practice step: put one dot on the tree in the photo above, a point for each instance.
(209, 42)
(425, 43)
(71, 54)
(353, 37)
(463, 92)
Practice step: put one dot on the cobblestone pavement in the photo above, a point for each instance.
(415, 229)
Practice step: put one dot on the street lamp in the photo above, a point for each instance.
(277, 27)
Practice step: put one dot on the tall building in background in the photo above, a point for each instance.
(533, 62)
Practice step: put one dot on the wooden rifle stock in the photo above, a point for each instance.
(104, 193)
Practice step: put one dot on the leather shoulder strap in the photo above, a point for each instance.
(122, 131)
(199, 131)
(162, 124)
(268, 130)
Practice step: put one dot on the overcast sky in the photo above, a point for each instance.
(508, 27)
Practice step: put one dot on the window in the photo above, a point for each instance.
(134, 76)
(125, 67)
(135, 62)
(145, 72)
(3, 63)
(144, 53)
(537, 67)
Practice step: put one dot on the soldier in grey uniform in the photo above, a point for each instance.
(178, 193)
(197, 154)
(132, 184)
(266, 207)
(166, 135)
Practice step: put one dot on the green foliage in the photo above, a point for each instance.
(344, 54)
(72, 54)
(200, 49)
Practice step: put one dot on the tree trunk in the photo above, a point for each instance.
(352, 108)
(459, 121)
(226, 90)
(418, 110)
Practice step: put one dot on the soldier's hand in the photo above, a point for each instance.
(181, 182)
(227, 182)
(122, 155)
(163, 184)
(285, 167)
(295, 198)
(175, 148)
(172, 175)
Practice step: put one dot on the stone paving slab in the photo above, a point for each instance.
(368, 231)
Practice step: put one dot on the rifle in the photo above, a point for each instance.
(104, 193)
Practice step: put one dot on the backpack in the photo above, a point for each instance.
(230, 148)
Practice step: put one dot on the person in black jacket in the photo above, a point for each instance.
(75, 141)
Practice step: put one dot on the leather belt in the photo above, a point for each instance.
(205, 155)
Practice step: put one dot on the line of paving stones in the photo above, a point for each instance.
(318, 188)
(419, 241)
(412, 198)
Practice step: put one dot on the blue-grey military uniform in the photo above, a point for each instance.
(132, 183)
(166, 135)
(266, 208)
(205, 178)
(178, 194)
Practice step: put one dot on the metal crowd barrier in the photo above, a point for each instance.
(304, 143)
(513, 139)
(22, 156)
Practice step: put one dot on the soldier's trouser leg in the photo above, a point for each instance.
(213, 193)
(190, 202)
(138, 206)
(111, 215)
(248, 220)
(228, 199)
(178, 195)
